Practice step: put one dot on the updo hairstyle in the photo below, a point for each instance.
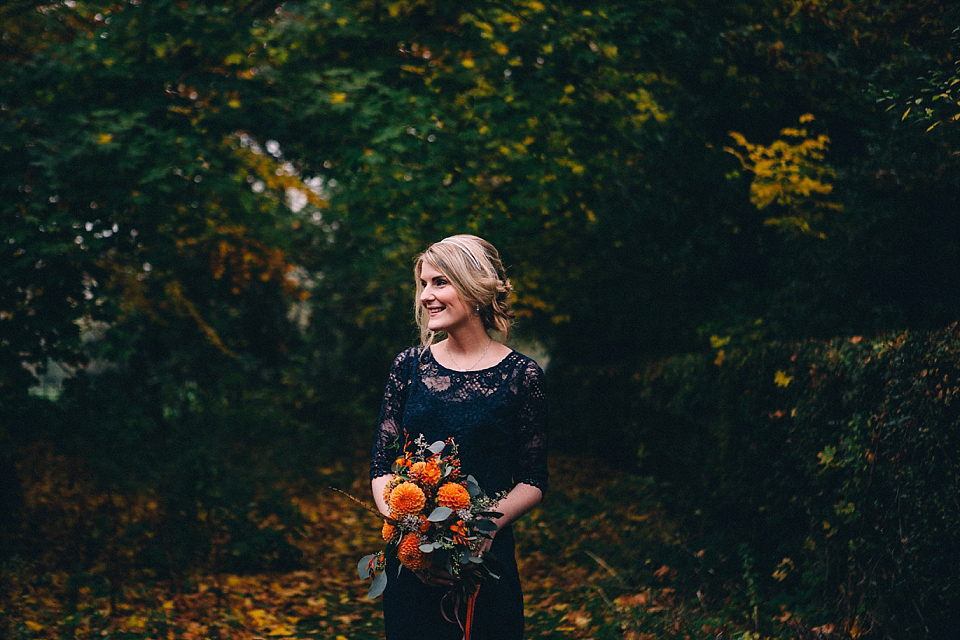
(473, 267)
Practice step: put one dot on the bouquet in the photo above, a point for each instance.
(438, 519)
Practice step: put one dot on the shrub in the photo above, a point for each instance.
(835, 461)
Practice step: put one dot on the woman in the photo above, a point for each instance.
(490, 399)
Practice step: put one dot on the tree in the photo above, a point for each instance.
(149, 241)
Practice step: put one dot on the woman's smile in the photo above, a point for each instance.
(444, 307)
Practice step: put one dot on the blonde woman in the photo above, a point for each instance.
(462, 383)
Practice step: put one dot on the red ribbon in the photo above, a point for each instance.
(471, 606)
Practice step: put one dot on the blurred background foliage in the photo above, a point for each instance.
(210, 212)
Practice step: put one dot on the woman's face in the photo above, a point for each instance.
(444, 307)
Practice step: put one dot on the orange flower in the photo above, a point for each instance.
(459, 533)
(407, 499)
(428, 473)
(389, 487)
(388, 532)
(454, 496)
(424, 525)
(409, 554)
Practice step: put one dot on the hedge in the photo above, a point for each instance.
(834, 463)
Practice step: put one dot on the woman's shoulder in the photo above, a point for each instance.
(406, 358)
(409, 352)
(524, 365)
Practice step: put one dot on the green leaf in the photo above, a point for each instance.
(379, 584)
(826, 456)
(364, 567)
(473, 489)
(440, 514)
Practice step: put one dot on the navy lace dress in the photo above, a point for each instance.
(498, 418)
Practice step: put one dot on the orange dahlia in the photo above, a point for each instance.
(388, 532)
(428, 473)
(389, 487)
(407, 499)
(454, 496)
(409, 554)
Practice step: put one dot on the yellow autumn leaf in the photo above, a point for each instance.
(33, 626)
(104, 138)
(283, 630)
(782, 379)
(135, 622)
(338, 98)
(500, 48)
(716, 341)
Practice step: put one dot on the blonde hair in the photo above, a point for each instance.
(473, 267)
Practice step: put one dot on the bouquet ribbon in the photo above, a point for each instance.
(467, 625)
(471, 605)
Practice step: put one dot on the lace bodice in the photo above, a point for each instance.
(498, 417)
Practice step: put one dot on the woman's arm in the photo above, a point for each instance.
(521, 499)
(377, 485)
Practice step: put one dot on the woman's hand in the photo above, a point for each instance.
(435, 577)
(486, 544)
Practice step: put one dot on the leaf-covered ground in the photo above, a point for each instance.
(598, 559)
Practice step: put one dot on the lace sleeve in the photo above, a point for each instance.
(390, 424)
(532, 467)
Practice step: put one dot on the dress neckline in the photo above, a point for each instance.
(509, 356)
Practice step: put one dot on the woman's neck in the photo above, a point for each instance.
(468, 350)
(467, 342)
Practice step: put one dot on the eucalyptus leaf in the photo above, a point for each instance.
(440, 514)
(379, 584)
(365, 566)
(437, 446)
(473, 487)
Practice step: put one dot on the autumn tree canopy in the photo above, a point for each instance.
(209, 210)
